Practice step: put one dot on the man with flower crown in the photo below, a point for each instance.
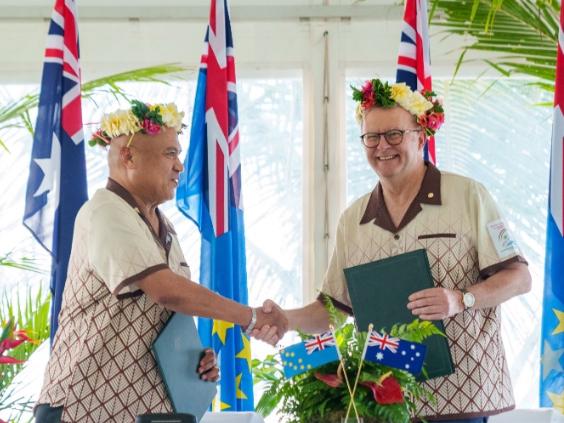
(126, 276)
(475, 263)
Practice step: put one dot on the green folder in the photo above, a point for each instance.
(379, 292)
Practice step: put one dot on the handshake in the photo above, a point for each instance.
(270, 324)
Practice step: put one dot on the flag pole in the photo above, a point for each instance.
(342, 363)
(370, 327)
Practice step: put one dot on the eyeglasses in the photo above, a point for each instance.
(393, 137)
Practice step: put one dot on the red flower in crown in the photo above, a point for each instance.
(151, 127)
(368, 99)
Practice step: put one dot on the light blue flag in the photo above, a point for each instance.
(209, 193)
(309, 354)
(552, 331)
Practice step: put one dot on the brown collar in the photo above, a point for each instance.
(164, 236)
(429, 193)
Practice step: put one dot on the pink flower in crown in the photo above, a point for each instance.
(367, 95)
(434, 121)
(151, 127)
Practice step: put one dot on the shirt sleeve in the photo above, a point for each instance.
(122, 248)
(495, 245)
(334, 284)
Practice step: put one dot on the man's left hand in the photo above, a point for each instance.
(435, 303)
(208, 369)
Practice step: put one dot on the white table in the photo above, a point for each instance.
(542, 415)
(243, 417)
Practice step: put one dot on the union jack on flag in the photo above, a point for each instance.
(319, 342)
(552, 330)
(414, 58)
(383, 341)
(56, 188)
(209, 193)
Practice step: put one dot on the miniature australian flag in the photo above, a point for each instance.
(395, 352)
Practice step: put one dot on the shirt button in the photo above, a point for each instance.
(396, 236)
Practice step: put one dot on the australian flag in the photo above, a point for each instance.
(56, 188)
(395, 352)
(309, 354)
(209, 193)
(414, 58)
(552, 341)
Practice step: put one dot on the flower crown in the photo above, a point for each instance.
(424, 105)
(144, 118)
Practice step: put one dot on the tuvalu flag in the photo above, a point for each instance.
(395, 352)
(552, 330)
(209, 193)
(309, 354)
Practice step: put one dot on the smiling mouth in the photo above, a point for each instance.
(386, 158)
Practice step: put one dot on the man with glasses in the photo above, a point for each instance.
(475, 263)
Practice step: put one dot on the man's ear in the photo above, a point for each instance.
(422, 139)
(126, 156)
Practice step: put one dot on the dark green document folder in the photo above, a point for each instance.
(177, 351)
(379, 292)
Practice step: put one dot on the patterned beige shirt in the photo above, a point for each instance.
(101, 368)
(456, 221)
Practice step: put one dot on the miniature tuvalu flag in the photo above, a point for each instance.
(395, 352)
(309, 354)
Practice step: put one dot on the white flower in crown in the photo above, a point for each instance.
(120, 122)
(415, 103)
(172, 118)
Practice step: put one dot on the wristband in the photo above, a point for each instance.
(252, 324)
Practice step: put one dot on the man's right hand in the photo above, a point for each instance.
(272, 323)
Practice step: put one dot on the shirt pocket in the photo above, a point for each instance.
(437, 235)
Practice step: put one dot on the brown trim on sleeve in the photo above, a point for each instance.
(494, 268)
(429, 193)
(338, 305)
(137, 277)
(464, 415)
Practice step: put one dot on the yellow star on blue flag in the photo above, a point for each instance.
(220, 329)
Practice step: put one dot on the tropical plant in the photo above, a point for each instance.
(10, 339)
(23, 263)
(522, 33)
(16, 114)
(30, 314)
(384, 394)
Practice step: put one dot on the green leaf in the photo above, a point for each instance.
(20, 109)
(524, 34)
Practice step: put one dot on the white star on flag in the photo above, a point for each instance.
(51, 167)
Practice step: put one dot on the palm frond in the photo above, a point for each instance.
(524, 33)
(17, 112)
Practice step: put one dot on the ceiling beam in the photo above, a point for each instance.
(201, 13)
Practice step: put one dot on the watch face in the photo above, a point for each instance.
(468, 299)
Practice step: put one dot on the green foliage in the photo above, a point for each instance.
(523, 33)
(30, 313)
(16, 114)
(23, 263)
(305, 398)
